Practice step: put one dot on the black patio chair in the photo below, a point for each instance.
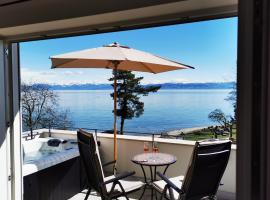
(110, 187)
(203, 176)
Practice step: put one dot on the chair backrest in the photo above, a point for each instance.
(204, 174)
(89, 153)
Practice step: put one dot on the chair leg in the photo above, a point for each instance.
(123, 191)
(171, 193)
(87, 193)
(213, 197)
(163, 194)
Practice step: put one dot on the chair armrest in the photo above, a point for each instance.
(119, 177)
(109, 163)
(170, 183)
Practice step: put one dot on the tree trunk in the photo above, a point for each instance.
(231, 130)
(124, 111)
(122, 125)
(31, 125)
(31, 133)
(215, 132)
(50, 134)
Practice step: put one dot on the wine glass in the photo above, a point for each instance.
(146, 147)
(155, 147)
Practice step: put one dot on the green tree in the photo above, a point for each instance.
(128, 91)
(219, 116)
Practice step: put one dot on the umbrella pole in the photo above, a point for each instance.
(114, 124)
(115, 116)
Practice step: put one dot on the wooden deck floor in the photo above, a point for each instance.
(147, 196)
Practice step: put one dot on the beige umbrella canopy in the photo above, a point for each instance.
(116, 57)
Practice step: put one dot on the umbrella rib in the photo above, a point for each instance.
(188, 66)
(145, 65)
(108, 64)
(120, 50)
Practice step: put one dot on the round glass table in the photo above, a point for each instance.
(153, 160)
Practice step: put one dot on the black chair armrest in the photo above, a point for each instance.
(119, 177)
(109, 163)
(170, 183)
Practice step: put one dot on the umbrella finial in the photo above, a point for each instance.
(116, 44)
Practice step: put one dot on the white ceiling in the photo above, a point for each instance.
(28, 24)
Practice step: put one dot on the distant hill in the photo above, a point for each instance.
(82, 87)
(226, 85)
(164, 86)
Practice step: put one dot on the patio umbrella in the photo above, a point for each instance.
(116, 57)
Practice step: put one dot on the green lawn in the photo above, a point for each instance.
(206, 134)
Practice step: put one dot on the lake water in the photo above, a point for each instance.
(163, 111)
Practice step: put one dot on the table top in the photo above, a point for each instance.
(154, 159)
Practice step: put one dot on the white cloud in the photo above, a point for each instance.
(73, 73)
(228, 77)
(165, 80)
(61, 76)
(46, 73)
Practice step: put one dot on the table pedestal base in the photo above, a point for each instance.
(149, 184)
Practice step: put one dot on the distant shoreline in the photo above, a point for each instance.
(185, 130)
(172, 133)
(164, 86)
(111, 89)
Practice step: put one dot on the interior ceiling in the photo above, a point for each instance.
(37, 19)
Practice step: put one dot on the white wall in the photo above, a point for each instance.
(4, 172)
(15, 118)
(10, 124)
(128, 146)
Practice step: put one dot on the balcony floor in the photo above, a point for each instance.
(147, 196)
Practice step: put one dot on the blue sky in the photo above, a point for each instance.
(209, 46)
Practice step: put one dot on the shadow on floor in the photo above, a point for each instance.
(80, 196)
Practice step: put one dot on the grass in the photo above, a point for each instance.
(206, 134)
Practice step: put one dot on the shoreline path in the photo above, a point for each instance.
(185, 131)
